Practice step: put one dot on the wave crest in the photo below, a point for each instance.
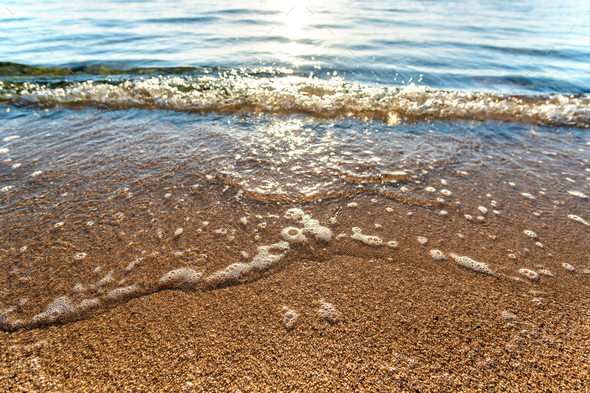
(334, 98)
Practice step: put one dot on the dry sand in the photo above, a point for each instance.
(403, 327)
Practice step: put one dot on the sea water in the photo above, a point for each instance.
(190, 146)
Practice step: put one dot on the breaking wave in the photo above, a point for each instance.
(324, 99)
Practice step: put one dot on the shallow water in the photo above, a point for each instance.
(151, 152)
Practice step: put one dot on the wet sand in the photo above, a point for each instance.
(407, 325)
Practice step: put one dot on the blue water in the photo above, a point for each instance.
(529, 47)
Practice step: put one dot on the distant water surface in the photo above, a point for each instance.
(466, 45)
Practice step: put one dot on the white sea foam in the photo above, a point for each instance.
(289, 318)
(180, 277)
(528, 273)
(367, 239)
(60, 307)
(328, 312)
(121, 292)
(471, 264)
(579, 219)
(264, 259)
(334, 97)
(578, 194)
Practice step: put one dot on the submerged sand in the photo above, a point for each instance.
(398, 326)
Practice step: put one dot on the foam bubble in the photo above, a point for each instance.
(430, 189)
(530, 233)
(178, 232)
(289, 318)
(232, 272)
(58, 224)
(511, 256)
(482, 209)
(422, 240)
(87, 304)
(546, 272)
(389, 209)
(80, 255)
(444, 182)
(446, 192)
(4, 150)
(469, 217)
(132, 264)
(6, 188)
(527, 195)
(78, 288)
(244, 220)
(568, 267)
(443, 213)
(328, 312)
(469, 263)
(437, 255)
(106, 279)
(120, 292)
(392, 244)
(264, 258)
(311, 226)
(369, 240)
(292, 234)
(579, 219)
(10, 138)
(577, 194)
(530, 274)
(60, 307)
(180, 277)
(294, 214)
